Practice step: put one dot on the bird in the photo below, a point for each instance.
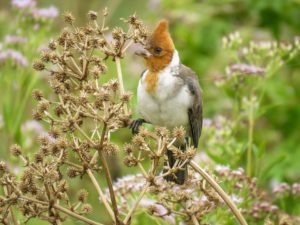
(168, 94)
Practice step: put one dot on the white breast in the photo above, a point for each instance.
(168, 105)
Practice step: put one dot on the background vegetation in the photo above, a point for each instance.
(253, 109)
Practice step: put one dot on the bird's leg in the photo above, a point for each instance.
(135, 124)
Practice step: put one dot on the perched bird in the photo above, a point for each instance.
(168, 93)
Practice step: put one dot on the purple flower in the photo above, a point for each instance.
(17, 57)
(33, 125)
(22, 4)
(281, 188)
(244, 69)
(12, 39)
(45, 13)
(296, 189)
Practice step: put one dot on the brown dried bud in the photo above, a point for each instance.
(52, 45)
(132, 19)
(38, 65)
(3, 166)
(110, 148)
(86, 208)
(43, 106)
(162, 131)
(38, 158)
(58, 110)
(37, 94)
(114, 84)
(138, 140)
(37, 115)
(45, 56)
(52, 176)
(128, 148)
(43, 139)
(92, 15)
(68, 17)
(54, 132)
(15, 150)
(82, 195)
(179, 132)
(130, 161)
(126, 97)
(72, 173)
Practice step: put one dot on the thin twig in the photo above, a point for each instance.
(194, 220)
(120, 79)
(220, 191)
(108, 176)
(101, 195)
(64, 210)
(136, 204)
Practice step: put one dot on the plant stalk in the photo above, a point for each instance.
(108, 176)
(136, 204)
(64, 210)
(220, 191)
(101, 195)
(250, 140)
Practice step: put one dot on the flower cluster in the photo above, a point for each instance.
(30, 6)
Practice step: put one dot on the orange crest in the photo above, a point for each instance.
(161, 36)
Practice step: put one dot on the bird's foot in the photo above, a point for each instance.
(135, 124)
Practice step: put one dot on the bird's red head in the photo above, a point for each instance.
(159, 49)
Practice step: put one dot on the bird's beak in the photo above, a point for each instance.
(143, 52)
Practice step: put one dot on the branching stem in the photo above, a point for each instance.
(136, 204)
(220, 191)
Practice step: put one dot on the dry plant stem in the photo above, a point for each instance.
(101, 195)
(108, 176)
(194, 220)
(14, 219)
(64, 210)
(220, 191)
(136, 204)
(120, 79)
(250, 139)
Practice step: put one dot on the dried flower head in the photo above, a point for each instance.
(68, 17)
(15, 150)
(38, 65)
(92, 15)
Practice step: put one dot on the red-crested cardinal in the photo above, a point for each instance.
(168, 93)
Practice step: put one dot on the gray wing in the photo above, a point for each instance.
(195, 111)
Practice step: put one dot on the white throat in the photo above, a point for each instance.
(175, 60)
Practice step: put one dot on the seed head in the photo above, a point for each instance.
(82, 195)
(72, 173)
(126, 97)
(179, 132)
(52, 45)
(37, 94)
(38, 65)
(110, 148)
(68, 18)
(86, 208)
(37, 115)
(92, 15)
(3, 166)
(15, 150)
(130, 161)
(128, 148)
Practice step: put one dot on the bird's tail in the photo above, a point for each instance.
(180, 175)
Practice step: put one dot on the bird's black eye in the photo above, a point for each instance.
(157, 50)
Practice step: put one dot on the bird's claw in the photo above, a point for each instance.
(135, 124)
